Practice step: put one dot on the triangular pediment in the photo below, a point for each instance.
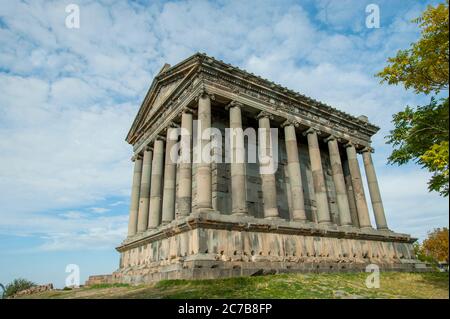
(167, 83)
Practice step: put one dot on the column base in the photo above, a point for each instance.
(273, 217)
(241, 212)
(204, 209)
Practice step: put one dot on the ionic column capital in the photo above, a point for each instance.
(187, 109)
(263, 114)
(166, 128)
(136, 157)
(311, 130)
(351, 144)
(233, 104)
(368, 149)
(330, 138)
(204, 93)
(148, 148)
(290, 122)
(159, 137)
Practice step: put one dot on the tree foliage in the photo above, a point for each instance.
(421, 134)
(17, 285)
(424, 66)
(436, 245)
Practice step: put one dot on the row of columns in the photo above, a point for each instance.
(149, 188)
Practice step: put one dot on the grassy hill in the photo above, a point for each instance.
(344, 285)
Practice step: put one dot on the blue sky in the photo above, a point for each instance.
(69, 96)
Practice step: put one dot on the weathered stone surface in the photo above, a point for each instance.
(33, 290)
(211, 245)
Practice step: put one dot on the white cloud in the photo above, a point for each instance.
(117, 203)
(97, 238)
(99, 210)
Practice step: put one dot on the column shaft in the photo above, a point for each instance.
(134, 200)
(268, 182)
(320, 191)
(170, 171)
(358, 189)
(295, 178)
(204, 186)
(156, 183)
(374, 190)
(339, 183)
(237, 166)
(185, 168)
(350, 194)
(145, 191)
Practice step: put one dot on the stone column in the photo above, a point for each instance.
(156, 183)
(358, 189)
(374, 190)
(170, 174)
(350, 194)
(204, 186)
(339, 182)
(293, 168)
(268, 182)
(320, 190)
(134, 200)
(237, 166)
(145, 190)
(184, 194)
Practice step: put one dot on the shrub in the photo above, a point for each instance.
(17, 285)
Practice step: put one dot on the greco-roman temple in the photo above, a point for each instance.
(304, 210)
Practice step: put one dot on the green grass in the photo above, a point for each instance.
(101, 286)
(292, 286)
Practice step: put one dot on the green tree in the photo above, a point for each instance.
(17, 285)
(421, 134)
(422, 256)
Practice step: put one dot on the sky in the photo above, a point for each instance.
(69, 95)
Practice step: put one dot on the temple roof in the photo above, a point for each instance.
(201, 59)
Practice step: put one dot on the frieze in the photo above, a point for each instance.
(285, 106)
(320, 109)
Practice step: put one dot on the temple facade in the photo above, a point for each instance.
(235, 175)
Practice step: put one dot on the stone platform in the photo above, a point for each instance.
(212, 245)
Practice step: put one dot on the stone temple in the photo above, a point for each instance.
(207, 219)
